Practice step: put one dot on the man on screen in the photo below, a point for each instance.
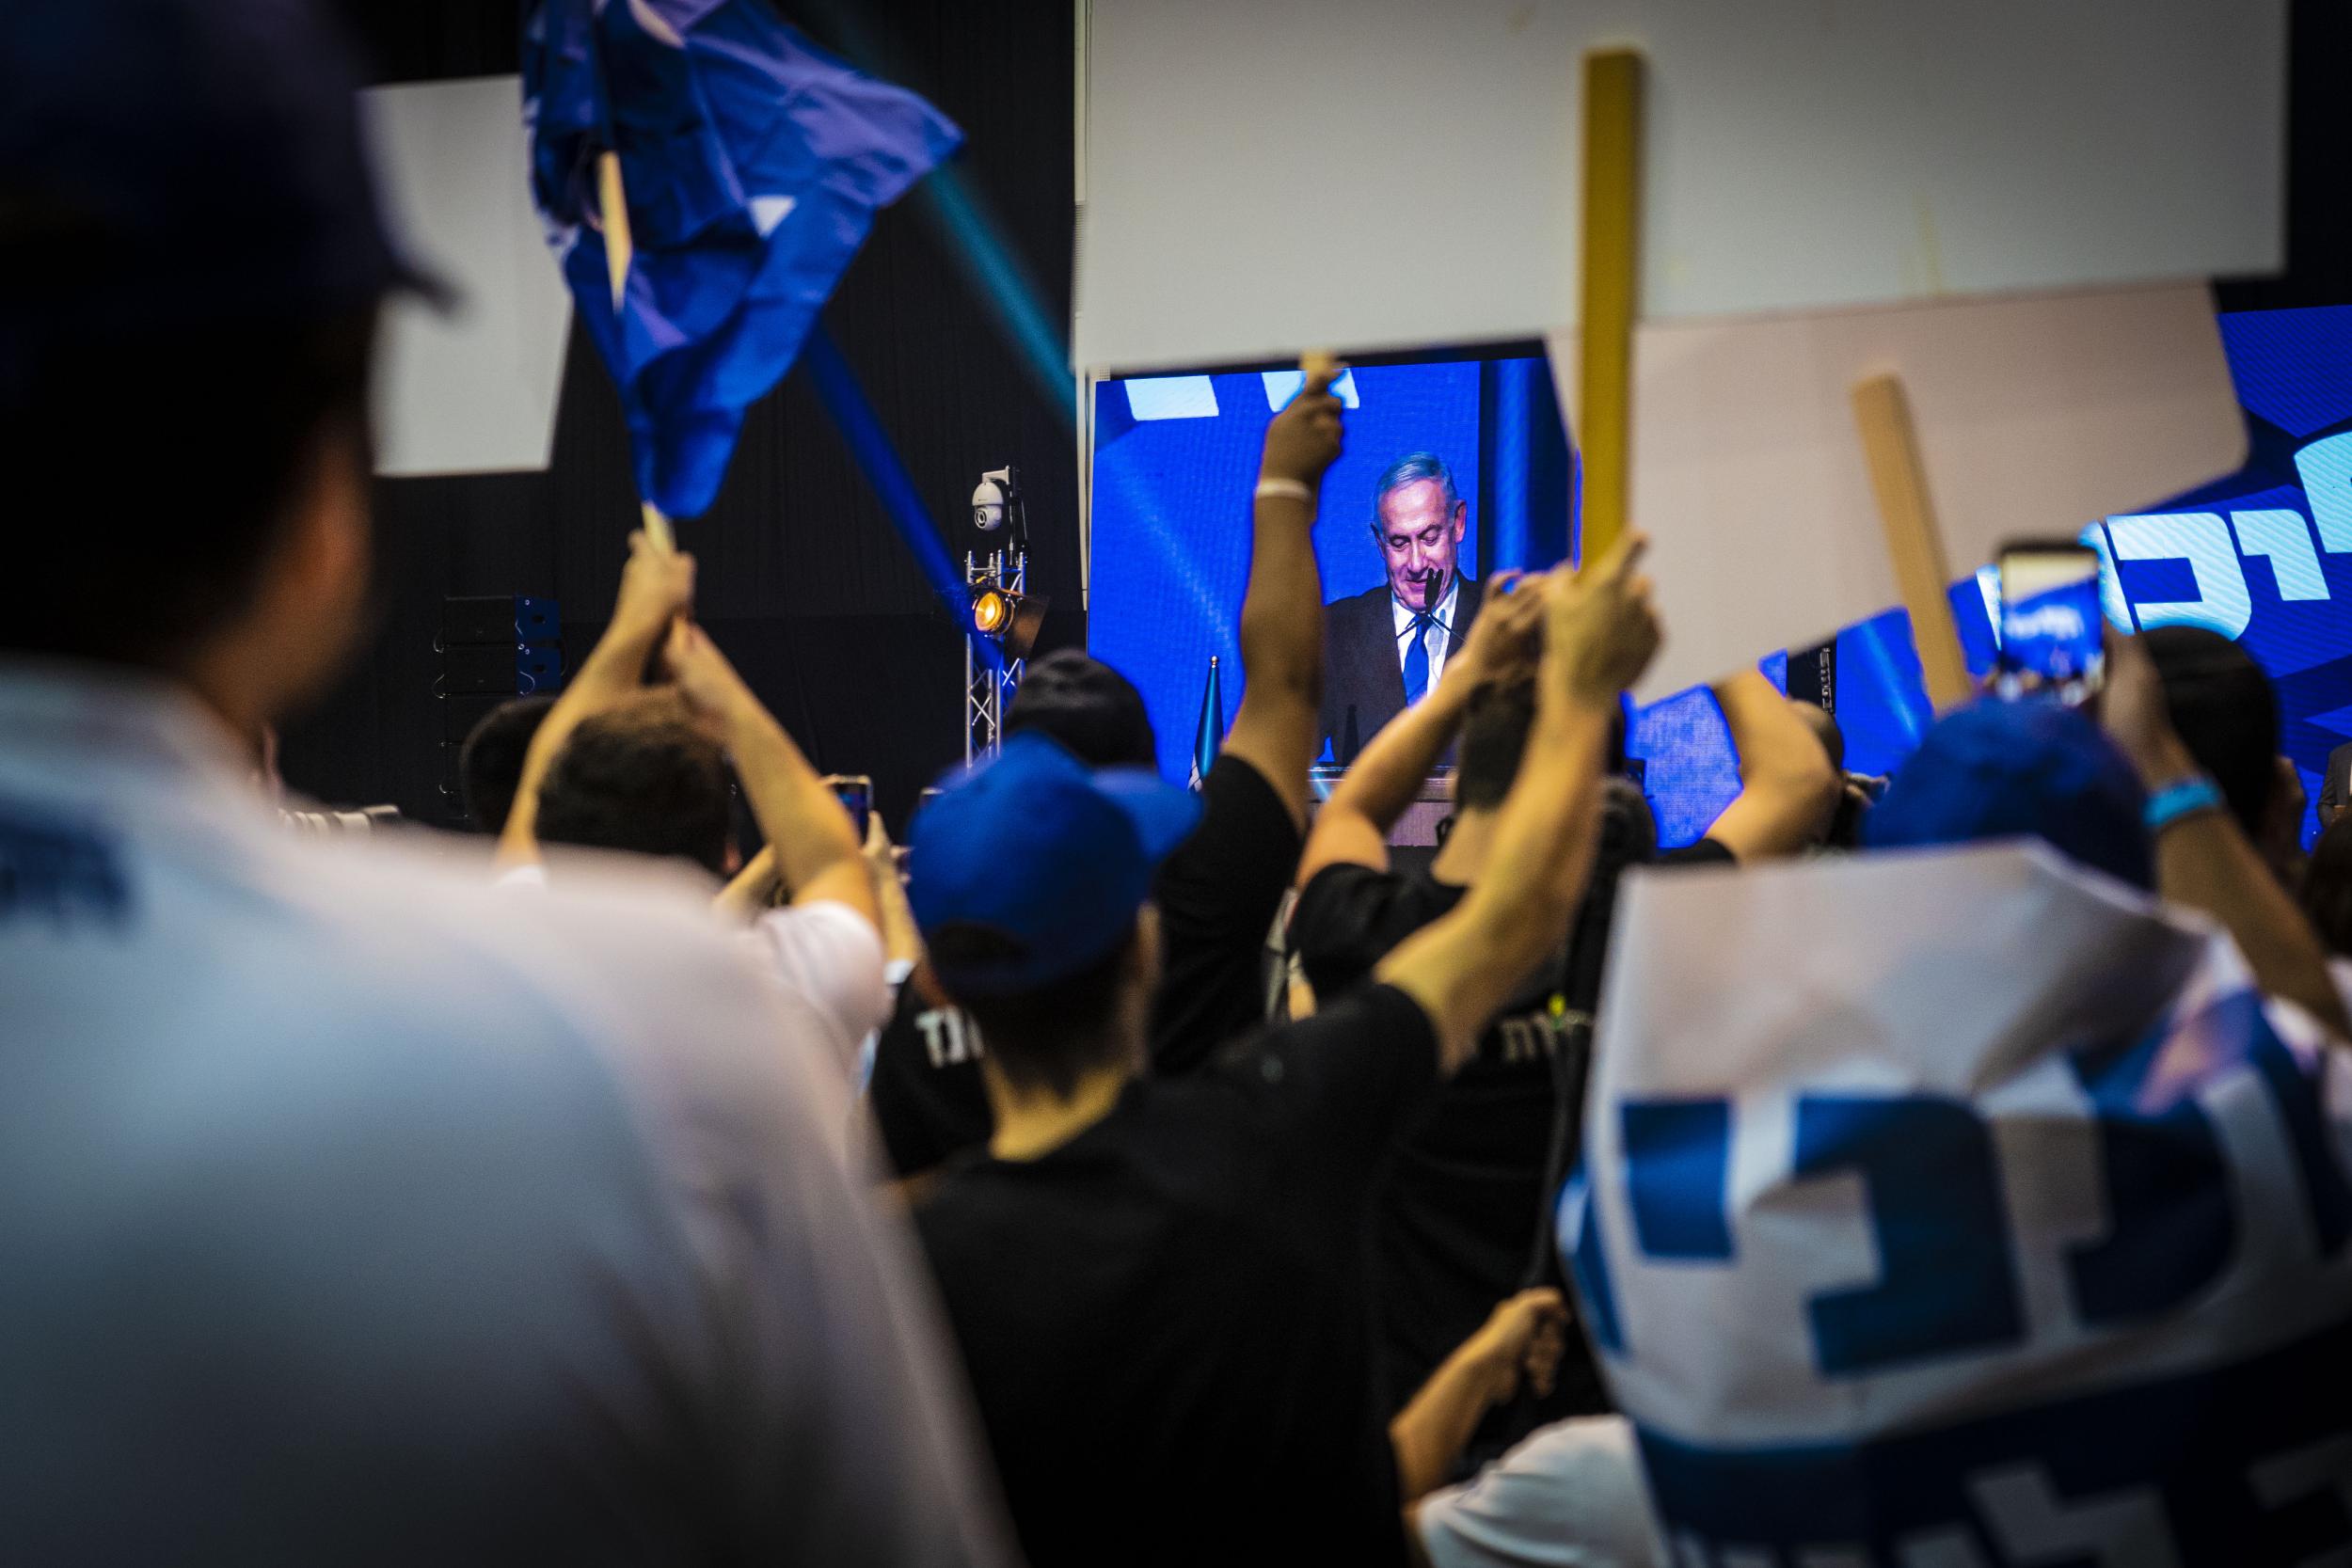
(1384, 649)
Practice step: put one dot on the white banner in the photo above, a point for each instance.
(1960, 1208)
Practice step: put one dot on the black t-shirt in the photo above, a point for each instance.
(1217, 895)
(1464, 1218)
(1704, 851)
(1164, 1319)
(1463, 1212)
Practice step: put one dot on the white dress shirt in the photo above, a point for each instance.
(1436, 638)
(357, 1212)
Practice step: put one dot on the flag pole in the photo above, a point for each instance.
(1608, 281)
(1914, 542)
(612, 201)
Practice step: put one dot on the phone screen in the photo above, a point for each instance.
(2052, 633)
(856, 796)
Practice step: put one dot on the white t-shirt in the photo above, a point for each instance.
(1571, 1495)
(359, 1215)
(826, 960)
(830, 956)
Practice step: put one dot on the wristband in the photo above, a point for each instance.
(1286, 489)
(2189, 798)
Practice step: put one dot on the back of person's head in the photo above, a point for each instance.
(1092, 710)
(490, 766)
(647, 777)
(2327, 891)
(191, 260)
(1494, 740)
(1029, 876)
(2038, 769)
(2226, 712)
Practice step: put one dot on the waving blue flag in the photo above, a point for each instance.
(1209, 734)
(753, 164)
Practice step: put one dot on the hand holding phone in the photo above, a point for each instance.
(2052, 632)
(855, 791)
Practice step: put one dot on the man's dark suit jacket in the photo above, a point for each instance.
(1363, 686)
(2335, 790)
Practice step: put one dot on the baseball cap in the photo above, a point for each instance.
(2038, 768)
(168, 164)
(1051, 857)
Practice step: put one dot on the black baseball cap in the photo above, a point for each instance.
(175, 163)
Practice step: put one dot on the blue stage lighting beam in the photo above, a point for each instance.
(998, 278)
(845, 400)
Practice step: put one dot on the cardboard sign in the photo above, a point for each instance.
(1264, 175)
(472, 391)
(1961, 1208)
(2036, 416)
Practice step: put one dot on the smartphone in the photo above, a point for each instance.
(855, 792)
(2053, 635)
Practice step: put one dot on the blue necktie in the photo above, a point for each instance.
(1417, 658)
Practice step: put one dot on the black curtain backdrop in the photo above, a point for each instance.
(802, 578)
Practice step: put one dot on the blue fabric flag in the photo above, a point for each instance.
(753, 164)
(1209, 734)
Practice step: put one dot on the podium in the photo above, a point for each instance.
(1418, 827)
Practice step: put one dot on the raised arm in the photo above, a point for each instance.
(2203, 861)
(1526, 1334)
(1787, 790)
(902, 941)
(1281, 615)
(1599, 634)
(816, 851)
(1352, 829)
(657, 587)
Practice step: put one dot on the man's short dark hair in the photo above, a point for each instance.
(1095, 712)
(2226, 713)
(647, 777)
(154, 475)
(1494, 740)
(491, 764)
(1494, 743)
(1044, 1040)
(1411, 468)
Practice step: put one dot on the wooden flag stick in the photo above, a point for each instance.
(613, 204)
(1611, 259)
(1914, 546)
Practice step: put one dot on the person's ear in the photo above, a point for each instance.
(326, 554)
(1461, 519)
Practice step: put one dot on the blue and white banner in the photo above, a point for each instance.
(1899, 1251)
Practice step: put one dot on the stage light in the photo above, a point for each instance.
(992, 610)
(1013, 620)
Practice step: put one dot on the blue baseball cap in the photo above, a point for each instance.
(170, 164)
(2035, 768)
(1048, 857)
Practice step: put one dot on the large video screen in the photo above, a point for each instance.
(1473, 458)
(2263, 556)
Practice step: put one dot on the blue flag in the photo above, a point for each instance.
(1210, 733)
(753, 164)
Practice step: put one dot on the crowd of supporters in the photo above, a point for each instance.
(1003, 1198)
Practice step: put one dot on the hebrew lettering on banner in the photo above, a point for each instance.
(1897, 1252)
